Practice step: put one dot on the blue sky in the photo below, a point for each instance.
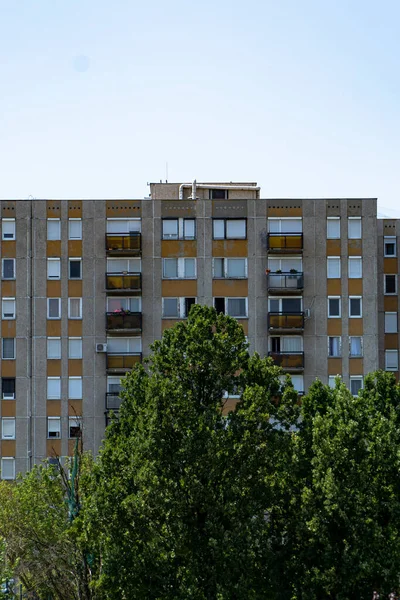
(303, 97)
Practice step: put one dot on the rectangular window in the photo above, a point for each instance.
(75, 308)
(390, 322)
(53, 229)
(232, 268)
(290, 225)
(170, 229)
(297, 381)
(189, 229)
(54, 347)
(54, 308)
(53, 388)
(234, 307)
(8, 388)
(74, 347)
(389, 246)
(124, 265)
(53, 268)
(8, 268)
(334, 346)
(356, 384)
(355, 306)
(391, 360)
(8, 308)
(332, 380)
(355, 267)
(8, 348)
(179, 268)
(53, 427)
(117, 304)
(218, 194)
(75, 268)
(177, 307)
(390, 283)
(8, 428)
(333, 228)
(182, 229)
(74, 229)
(8, 468)
(333, 267)
(124, 226)
(230, 229)
(75, 388)
(355, 346)
(334, 308)
(75, 427)
(124, 345)
(354, 228)
(8, 229)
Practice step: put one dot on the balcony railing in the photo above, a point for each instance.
(288, 360)
(122, 321)
(286, 320)
(124, 282)
(127, 244)
(122, 361)
(285, 282)
(285, 242)
(113, 401)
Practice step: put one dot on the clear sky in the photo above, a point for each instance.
(302, 96)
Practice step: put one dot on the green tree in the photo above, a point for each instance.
(188, 501)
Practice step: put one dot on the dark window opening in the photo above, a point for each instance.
(218, 194)
(219, 304)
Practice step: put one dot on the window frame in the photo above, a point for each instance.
(52, 396)
(3, 312)
(389, 239)
(4, 339)
(78, 260)
(53, 339)
(71, 395)
(75, 339)
(58, 221)
(225, 222)
(332, 220)
(391, 352)
(385, 293)
(352, 220)
(77, 419)
(54, 261)
(329, 261)
(8, 420)
(351, 316)
(48, 309)
(360, 337)
(80, 309)
(2, 269)
(225, 269)
(56, 420)
(388, 314)
(181, 306)
(282, 220)
(73, 221)
(356, 378)
(339, 316)
(13, 234)
(336, 337)
(8, 395)
(181, 227)
(351, 260)
(180, 267)
(10, 460)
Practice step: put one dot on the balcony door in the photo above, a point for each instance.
(285, 305)
(286, 344)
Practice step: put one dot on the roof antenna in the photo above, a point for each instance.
(166, 172)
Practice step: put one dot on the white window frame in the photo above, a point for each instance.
(78, 260)
(361, 345)
(80, 309)
(225, 269)
(74, 221)
(394, 353)
(54, 396)
(332, 380)
(79, 354)
(340, 346)
(181, 229)
(330, 220)
(361, 310)
(54, 261)
(356, 378)
(58, 353)
(9, 460)
(280, 299)
(225, 222)
(181, 265)
(389, 239)
(2, 349)
(352, 220)
(2, 269)
(56, 430)
(124, 300)
(386, 321)
(10, 421)
(5, 395)
(4, 313)
(59, 309)
(281, 221)
(134, 265)
(75, 395)
(12, 233)
(352, 260)
(181, 306)
(329, 261)
(385, 293)
(126, 227)
(58, 234)
(340, 307)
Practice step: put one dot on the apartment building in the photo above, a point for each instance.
(87, 285)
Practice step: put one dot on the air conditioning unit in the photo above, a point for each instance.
(101, 347)
(307, 313)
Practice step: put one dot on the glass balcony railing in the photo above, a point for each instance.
(113, 401)
(128, 244)
(285, 242)
(122, 361)
(288, 360)
(285, 282)
(129, 282)
(286, 320)
(124, 321)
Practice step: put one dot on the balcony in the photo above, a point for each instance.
(124, 322)
(120, 283)
(123, 244)
(287, 283)
(289, 243)
(113, 401)
(289, 361)
(122, 362)
(286, 321)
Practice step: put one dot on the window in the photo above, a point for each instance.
(286, 343)
(354, 228)
(234, 307)
(8, 428)
(75, 388)
(8, 468)
(75, 268)
(182, 268)
(334, 346)
(8, 229)
(124, 226)
(233, 268)
(124, 265)
(333, 228)
(178, 229)
(285, 305)
(333, 267)
(230, 229)
(355, 346)
(53, 427)
(8, 348)
(8, 268)
(285, 264)
(297, 381)
(75, 427)
(54, 308)
(355, 267)
(389, 246)
(115, 304)
(177, 307)
(74, 229)
(114, 385)
(289, 225)
(53, 388)
(332, 380)
(356, 384)
(124, 345)
(74, 347)
(390, 322)
(53, 229)
(54, 347)
(8, 308)
(355, 306)
(391, 360)
(53, 268)
(75, 308)
(390, 284)
(8, 388)
(334, 307)
(218, 194)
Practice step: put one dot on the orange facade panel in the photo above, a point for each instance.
(178, 248)
(354, 247)
(75, 368)
(173, 288)
(53, 408)
(333, 287)
(8, 408)
(333, 247)
(168, 323)
(334, 366)
(230, 248)
(390, 303)
(8, 368)
(8, 329)
(123, 208)
(285, 211)
(53, 248)
(356, 327)
(229, 405)
(8, 289)
(54, 368)
(334, 327)
(8, 448)
(74, 328)
(54, 289)
(245, 324)
(75, 288)
(53, 447)
(390, 265)
(53, 209)
(75, 248)
(75, 408)
(391, 341)
(355, 287)
(75, 209)
(230, 288)
(9, 249)
(356, 366)
(53, 328)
